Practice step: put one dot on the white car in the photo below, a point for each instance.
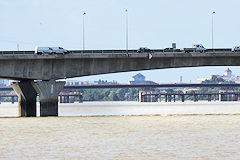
(50, 50)
(195, 48)
(59, 50)
(43, 50)
(199, 47)
(236, 49)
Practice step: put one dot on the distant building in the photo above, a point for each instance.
(137, 79)
(4, 82)
(227, 75)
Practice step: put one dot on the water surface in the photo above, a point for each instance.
(157, 131)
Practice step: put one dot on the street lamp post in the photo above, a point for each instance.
(126, 11)
(212, 27)
(83, 38)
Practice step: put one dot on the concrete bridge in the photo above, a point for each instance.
(168, 97)
(27, 67)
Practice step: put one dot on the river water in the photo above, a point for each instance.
(124, 130)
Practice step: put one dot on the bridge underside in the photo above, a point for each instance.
(67, 67)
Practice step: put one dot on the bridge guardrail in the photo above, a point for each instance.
(17, 52)
(103, 51)
(224, 50)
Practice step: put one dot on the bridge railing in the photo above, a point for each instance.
(104, 51)
(16, 52)
(218, 50)
(224, 50)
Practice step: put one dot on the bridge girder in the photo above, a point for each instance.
(42, 67)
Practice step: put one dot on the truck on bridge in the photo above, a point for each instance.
(195, 48)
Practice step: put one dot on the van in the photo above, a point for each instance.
(236, 49)
(59, 50)
(43, 50)
(50, 50)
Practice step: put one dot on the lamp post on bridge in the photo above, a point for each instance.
(212, 27)
(126, 11)
(83, 36)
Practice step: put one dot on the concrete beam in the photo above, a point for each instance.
(48, 96)
(26, 98)
(47, 67)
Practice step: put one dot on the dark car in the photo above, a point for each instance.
(168, 50)
(143, 49)
(171, 50)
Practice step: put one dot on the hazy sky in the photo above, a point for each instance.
(152, 23)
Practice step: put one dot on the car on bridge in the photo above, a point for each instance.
(195, 48)
(59, 50)
(143, 49)
(171, 50)
(43, 50)
(236, 49)
(50, 50)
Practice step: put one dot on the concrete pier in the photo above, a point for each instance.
(12, 100)
(183, 99)
(48, 96)
(209, 98)
(195, 98)
(166, 98)
(26, 98)
(169, 98)
(80, 99)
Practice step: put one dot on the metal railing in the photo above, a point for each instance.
(159, 51)
(16, 52)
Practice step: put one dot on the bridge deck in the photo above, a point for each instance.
(84, 55)
(27, 65)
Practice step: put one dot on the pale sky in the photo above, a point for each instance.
(152, 23)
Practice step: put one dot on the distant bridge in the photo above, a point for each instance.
(168, 97)
(175, 85)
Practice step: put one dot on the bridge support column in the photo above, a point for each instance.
(195, 98)
(166, 98)
(12, 99)
(68, 98)
(26, 98)
(183, 98)
(80, 99)
(169, 98)
(159, 98)
(61, 99)
(235, 97)
(156, 98)
(209, 98)
(48, 96)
